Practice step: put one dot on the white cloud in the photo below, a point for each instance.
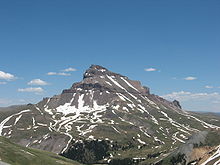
(4, 102)
(51, 73)
(209, 87)
(58, 74)
(69, 69)
(2, 83)
(190, 78)
(150, 69)
(35, 90)
(216, 102)
(182, 95)
(6, 76)
(196, 101)
(21, 101)
(37, 82)
(64, 74)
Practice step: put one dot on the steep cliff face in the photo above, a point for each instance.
(107, 106)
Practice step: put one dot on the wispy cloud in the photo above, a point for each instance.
(4, 102)
(2, 83)
(150, 69)
(216, 102)
(62, 72)
(37, 82)
(51, 73)
(196, 101)
(209, 87)
(35, 90)
(6, 76)
(70, 69)
(58, 74)
(190, 78)
(183, 95)
(7, 102)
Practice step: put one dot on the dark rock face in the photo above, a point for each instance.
(147, 90)
(177, 104)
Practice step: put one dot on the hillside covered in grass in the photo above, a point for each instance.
(17, 155)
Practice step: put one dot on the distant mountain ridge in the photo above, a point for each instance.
(105, 113)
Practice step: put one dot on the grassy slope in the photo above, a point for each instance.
(17, 155)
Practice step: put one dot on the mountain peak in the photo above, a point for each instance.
(98, 78)
(97, 67)
(97, 70)
(94, 70)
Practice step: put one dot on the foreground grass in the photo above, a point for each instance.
(17, 155)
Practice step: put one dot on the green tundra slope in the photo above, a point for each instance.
(17, 155)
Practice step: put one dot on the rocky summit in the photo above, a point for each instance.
(108, 118)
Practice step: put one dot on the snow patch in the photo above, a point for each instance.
(17, 119)
(214, 156)
(8, 118)
(129, 84)
(140, 141)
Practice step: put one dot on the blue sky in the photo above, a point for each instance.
(179, 40)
